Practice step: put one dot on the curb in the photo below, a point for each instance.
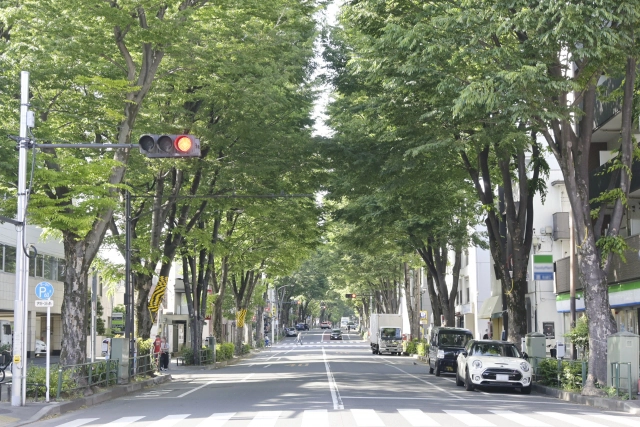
(631, 407)
(113, 393)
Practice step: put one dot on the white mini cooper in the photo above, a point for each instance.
(485, 363)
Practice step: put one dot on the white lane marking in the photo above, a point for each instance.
(333, 387)
(265, 419)
(244, 380)
(468, 418)
(170, 420)
(266, 366)
(195, 389)
(124, 421)
(427, 382)
(521, 419)
(77, 423)
(366, 417)
(216, 420)
(626, 420)
(417, 418)
(315, 418)
(576, 421)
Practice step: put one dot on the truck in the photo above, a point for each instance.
(385, 333)
(344, 322)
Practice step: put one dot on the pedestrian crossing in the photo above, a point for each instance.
(317, 343)
(370, 418)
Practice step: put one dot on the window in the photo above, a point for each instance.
(50, 267)
(468, 295)
(9, 259)
(36, 266)
(62, 270)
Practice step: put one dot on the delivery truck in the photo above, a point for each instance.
(385, 333)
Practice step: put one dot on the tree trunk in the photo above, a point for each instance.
(435, 301)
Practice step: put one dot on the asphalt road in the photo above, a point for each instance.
(325, 383)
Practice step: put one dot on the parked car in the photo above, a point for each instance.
(336, 334)
(325, 325)
(444, 346)
(290, 332)
(487, 363)
(41, 347)
(302, 327)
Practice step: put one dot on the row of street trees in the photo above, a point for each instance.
(439, 104)
(234, 73)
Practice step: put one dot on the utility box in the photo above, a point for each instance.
(535, 345)
(120, 351)
(623, 348)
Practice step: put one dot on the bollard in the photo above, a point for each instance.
(59, 383)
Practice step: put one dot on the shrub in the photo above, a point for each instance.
(37, 379)
(570, 374)
(144, 346)
(225, 351)
(410, 347)
(423, 348)
(246, 348)
(187, 354)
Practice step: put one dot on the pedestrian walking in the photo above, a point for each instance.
(164, 356)
(299, 340)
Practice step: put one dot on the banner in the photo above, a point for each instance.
(158, 294)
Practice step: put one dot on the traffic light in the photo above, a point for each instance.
(169, 145)
(350, 296)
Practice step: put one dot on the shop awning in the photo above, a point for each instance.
(490, 307)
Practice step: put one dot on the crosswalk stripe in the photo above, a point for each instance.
(315, 418)
(621, 420)
(521, 419)
(170, 420)
(217, 420)
(124, 421)
(78, 423)
(265, 419)
(366, 418)
(576, 421)
(417, 418)
(468, 418)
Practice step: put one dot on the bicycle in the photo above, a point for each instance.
(7, 364)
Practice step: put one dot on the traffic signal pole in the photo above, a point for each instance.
(18, 370)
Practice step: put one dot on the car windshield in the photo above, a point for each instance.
(336, 331)
(495, 349)
(390, 333)
(454, 339)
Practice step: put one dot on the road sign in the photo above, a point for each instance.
(44, 290)
(44, 303)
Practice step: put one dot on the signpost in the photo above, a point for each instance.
(44, 291)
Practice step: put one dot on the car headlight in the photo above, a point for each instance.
(476, 364)
(524, 366)
(440, 354)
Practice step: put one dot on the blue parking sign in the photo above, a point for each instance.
(44, 290)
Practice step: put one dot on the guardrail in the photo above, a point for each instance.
(141, 366)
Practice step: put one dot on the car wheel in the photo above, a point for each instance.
(525, 390)
(437, 370)
(459, 382)
(468, 385)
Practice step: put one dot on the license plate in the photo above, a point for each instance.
(502, 377)
(449, 369)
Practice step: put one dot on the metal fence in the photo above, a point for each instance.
(78, 377)
(541, 375)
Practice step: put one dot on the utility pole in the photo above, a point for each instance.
(18, 371)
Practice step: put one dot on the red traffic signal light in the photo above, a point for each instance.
(169, 145)
(350, 296)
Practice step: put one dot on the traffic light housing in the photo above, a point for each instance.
(169, 145)
(350, 296)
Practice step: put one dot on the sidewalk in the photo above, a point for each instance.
(628, 406)
(13, 416)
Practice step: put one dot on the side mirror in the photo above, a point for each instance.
(525, 356)
(464, 353)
